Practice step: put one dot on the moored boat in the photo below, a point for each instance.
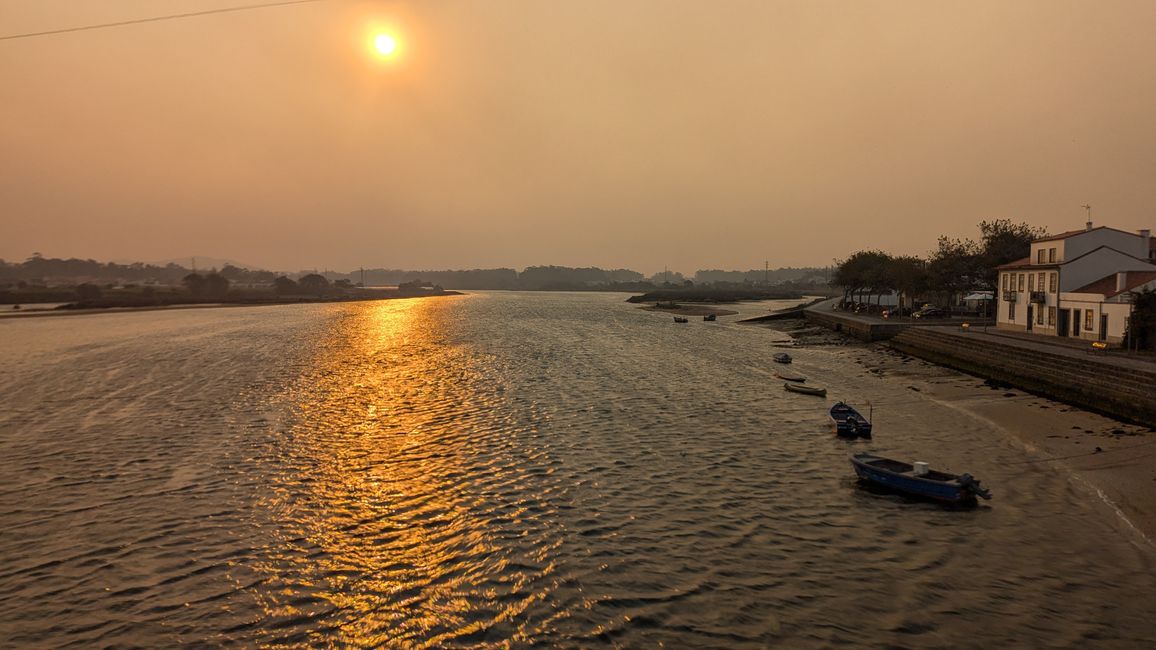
(918, 480)
(848, 422)
(710, 317)
(804, 389)
(787, 375)
(680, 319)
(782, 357)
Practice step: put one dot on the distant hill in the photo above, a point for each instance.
(203, 263)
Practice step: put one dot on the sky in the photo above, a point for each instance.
(616, 133)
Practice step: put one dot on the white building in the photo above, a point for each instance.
(1067, 276)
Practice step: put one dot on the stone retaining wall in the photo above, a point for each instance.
(1092, 383)
(860, 329)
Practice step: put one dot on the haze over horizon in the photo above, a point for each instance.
(514, 133)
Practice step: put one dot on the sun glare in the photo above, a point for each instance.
(385, 45)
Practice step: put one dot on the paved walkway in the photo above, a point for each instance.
(1074, 349)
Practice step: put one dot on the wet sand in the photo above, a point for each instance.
(1112, 461)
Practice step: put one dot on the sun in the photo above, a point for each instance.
(385, 45)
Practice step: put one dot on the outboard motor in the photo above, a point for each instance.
(971, 484)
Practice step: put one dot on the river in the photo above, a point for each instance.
(558, 470)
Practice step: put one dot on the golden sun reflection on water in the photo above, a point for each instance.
(387, 532)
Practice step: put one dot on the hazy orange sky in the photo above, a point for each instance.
(615, 133)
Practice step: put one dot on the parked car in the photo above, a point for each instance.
(931, 312)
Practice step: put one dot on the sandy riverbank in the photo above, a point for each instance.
(1111, 461)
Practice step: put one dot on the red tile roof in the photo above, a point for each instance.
(1106, 286)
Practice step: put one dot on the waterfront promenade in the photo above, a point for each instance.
(1112, 382)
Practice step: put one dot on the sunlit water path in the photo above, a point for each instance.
(526, 469)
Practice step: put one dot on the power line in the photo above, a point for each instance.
(154, 19)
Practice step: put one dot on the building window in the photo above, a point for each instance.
(1087, 320)
(1005, 282)
(1039, 316)
(1021, 281)
(1031, 281)
(1051, 316)
(1040, 256)
(1051, 282)
(1011, 312)
(1051, 255)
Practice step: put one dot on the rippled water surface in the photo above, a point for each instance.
(510, 469)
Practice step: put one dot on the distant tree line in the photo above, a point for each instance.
(42, 272)
(45, 271)
(956, 265)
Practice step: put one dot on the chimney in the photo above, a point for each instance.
(1121, 281)
(1145, 233)
(1088, 226)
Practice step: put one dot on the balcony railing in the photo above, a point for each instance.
(1010, 296)
(1039, 296)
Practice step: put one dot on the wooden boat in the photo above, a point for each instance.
(710, 317)
(782, 357)
(918, 480)
(680, 319)
(848, 422)
(787, 375)
(806, 390)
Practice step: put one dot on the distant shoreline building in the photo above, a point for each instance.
(1077, 284)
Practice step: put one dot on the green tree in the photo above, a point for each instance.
(216, 284)
(313, 283)
(1141, 334)
(88, 292)
(195, 283)
(954, 267)
(1001, 242)
(907, 275)
(283, 286)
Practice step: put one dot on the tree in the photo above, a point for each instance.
(88, 292)
(216, 284)
(1001, 242)
(313, 283)
(954, 267)
(195, 283)
(1141, 334)
(864, 270)
(283, 286)
(907, 275)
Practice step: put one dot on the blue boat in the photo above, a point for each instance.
(918, 480)
(848, 422)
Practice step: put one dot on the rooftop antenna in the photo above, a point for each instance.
(1088, 208)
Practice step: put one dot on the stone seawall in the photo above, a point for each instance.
(1092, 383)
(861, 328)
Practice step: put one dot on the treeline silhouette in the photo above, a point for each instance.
(44, 272)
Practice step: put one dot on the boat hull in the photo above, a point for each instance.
(848, 423)
(944, 491)
(805, 390)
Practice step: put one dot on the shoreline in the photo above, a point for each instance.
(689, 310)
(1110, 460)
(20, 315)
